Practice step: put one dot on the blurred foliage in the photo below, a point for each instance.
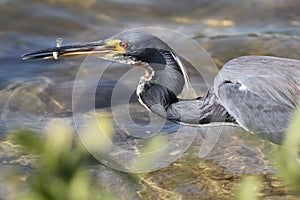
(98, 134)
(149, 155)
(62, 172)
(288, 159)
(248, 189)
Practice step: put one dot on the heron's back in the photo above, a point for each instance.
(260, 92)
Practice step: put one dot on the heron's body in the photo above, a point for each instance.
(260, 93)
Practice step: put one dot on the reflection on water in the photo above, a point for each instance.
(33, 93)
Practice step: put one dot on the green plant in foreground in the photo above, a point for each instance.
(248, 189)
(289, 158)
(288, 164)
(62, 172)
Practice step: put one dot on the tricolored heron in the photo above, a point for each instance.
(260, 93)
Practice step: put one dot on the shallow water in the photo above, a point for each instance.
(35, 92)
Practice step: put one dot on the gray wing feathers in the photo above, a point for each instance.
(275, 78)
(260, 92)
(255, 113)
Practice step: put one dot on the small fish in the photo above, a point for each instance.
(58, 44)
(55, 55)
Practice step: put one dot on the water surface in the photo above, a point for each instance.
(33, 93)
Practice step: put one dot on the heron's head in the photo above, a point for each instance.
(133, 47)
(127, 47)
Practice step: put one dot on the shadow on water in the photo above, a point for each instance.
(34, 93)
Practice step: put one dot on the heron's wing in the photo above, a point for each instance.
(260, 92)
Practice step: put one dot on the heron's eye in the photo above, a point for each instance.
(124, 45)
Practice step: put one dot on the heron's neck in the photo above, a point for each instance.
(161, 84)
(162, 101)
(202, 110)
(163, 80)
(158, 92)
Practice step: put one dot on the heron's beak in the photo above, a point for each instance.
(98, 48)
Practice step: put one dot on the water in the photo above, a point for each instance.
(35, 92)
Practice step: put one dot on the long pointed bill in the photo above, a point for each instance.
(91, 48)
